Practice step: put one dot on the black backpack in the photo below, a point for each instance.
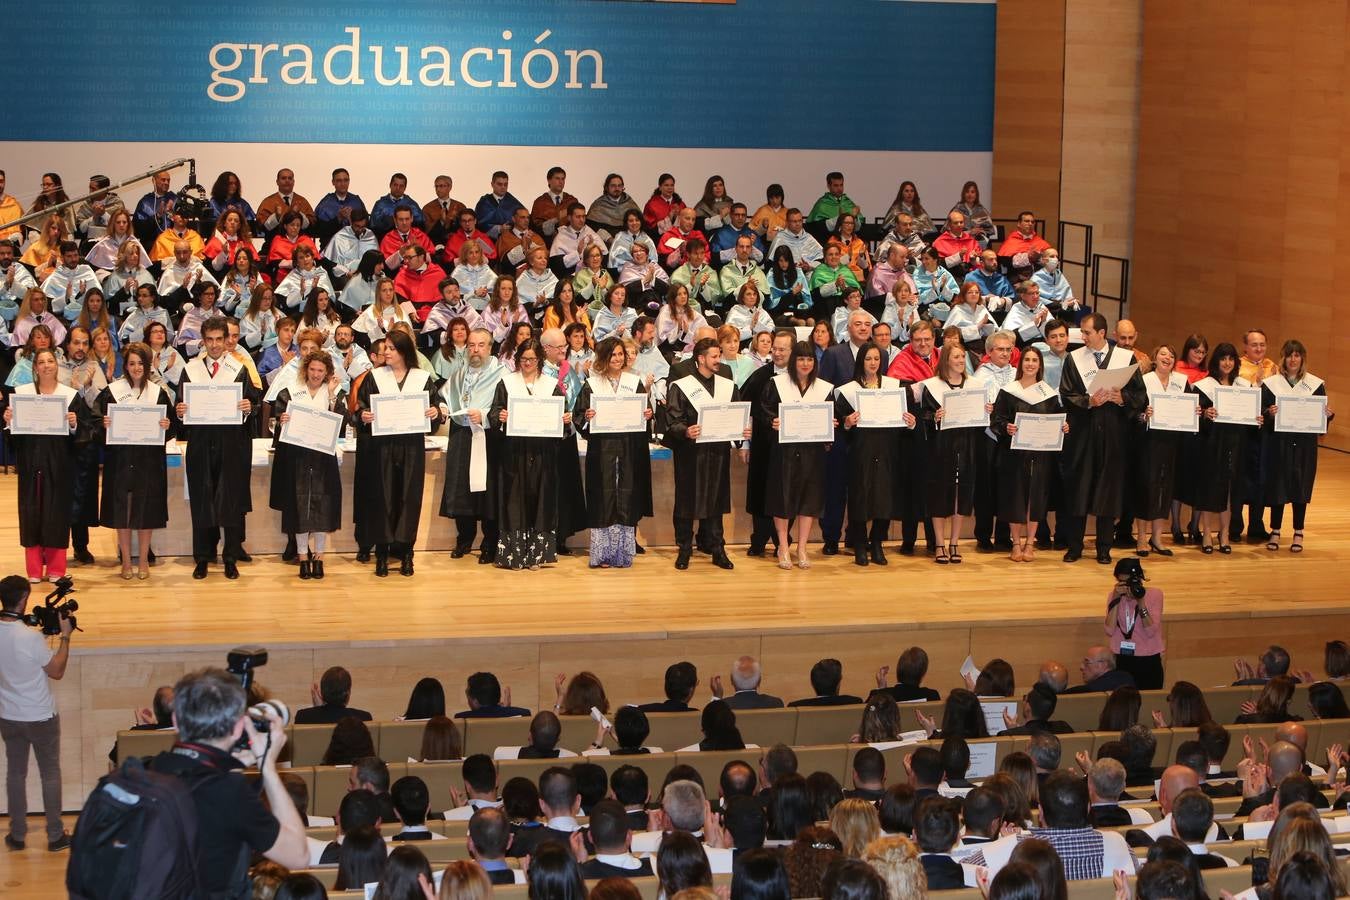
(136, 838)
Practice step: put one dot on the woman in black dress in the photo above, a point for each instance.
(135, 480)
(874, 458)
(311, 501)
(363, 475)
(1216, 485)
(1024, 476)
(1288, 459)
(950, 468)
(796, 483)
(1157, 457)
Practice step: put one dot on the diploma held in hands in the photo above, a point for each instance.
(212, 403)
(619, 414)
(1112, 379)
(130, 425)
(965, 409)
(881, 408)
(312, 428)
(723, 421)
(1237, 405)
(805, 423)
(536, 417)
(1043, 432)
(39, 414)
(1175, 412)
(1301, 415)
(400, 414)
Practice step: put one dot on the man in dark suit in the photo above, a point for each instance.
(982, 814)
(937, 826)
(826, 676)
(869, 775)
(737, 780)
(358, 808)
(745, 678)
(560, 802)
(545, 730)
(681, 681)
(682, 369)
(1100, 674)
(1214, 739)
(484, 693)
(412, 801)
(744, 819)
(910, 670)
(610, 835)
(331, 696)
(369, 773)
(955, 755)
(1192, 817)
(836, 367)
(489, 835)
(1106, 782)
(1275, 661)
(925, 772)
(1038, 706)
(629, 786)
(1192, 755)
(762, 440)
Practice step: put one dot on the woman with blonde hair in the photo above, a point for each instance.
(43, 252)
(856, 823)
(1299, 829)
(127, 276)
(378, 318)
(464, 880)
(107, 253)
(896, 860)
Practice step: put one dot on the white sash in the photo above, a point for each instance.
(415, 380)
(1037, 393)
(198, 372)
(1154, 384)
(697, 394)
(65, 391)
(849, 390)
(122, 392)
(1280, 386)
(516, 386)
(937, 388)
(788, 392)
(628, 384)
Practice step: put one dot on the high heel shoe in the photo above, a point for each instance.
(1296, 546)
(785, 561)
(126, 573)
(1016, 555)
(1161, 551)
(954, 555)
(1273, 541)
(316, 569)
(940, 556)
(1225, 549)
(1142, 551)
(1029, 551)
(860, 555)
(802, 561)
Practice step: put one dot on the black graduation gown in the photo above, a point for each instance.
(762, 440)
(397, 472)
(1024, 476)
(702, 471)
(1220, 450)
(618, 470)
(136, 479)
(570, 490)
(219, 460)
(363, 473)
(311, 494)
(456, 499)
(1288, 461)
(526, 498)
(1095, 460)
(949, 470)
(45, 466)
(909, 496)
(874, 473)
(796, 480)
(1157, 456)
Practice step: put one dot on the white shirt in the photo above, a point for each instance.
(25, 693)
(1163, 828)
(465, 813)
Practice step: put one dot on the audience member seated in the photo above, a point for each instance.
(545, 729)
(684, 808)
(350, 741)
(361, 859)
(1192, 821)
(608, 829)
(1100, 673)
(489, 836)
(560, 802)
(937, 828)
(479, 775)
(1106, 782)
(426, 701)
(680, 683)
(869, 775)
(855, 821)
(384, 215)
(807, 252)
(745, 678)
(910, 670)
(826, 676)
(962, 716)
(358, 809)
(1022, 248)
(957, 249)
(371, 774)
(982, 818)
(484, 694)
(630, 730)
(955, 753)
(412, 802)
(1037, 708)
(441, 741)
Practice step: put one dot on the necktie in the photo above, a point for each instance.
(445, 206)
(286, 200)
(1100, 357)
(215, 367)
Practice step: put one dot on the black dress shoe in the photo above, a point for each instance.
(487, 557)
(199, 571)
(1044, 545)
(381, 565)
(1104, 557)
(682, 558)
(984, 546)
(243, 556)
(61, 843)
(231, 570)
(720, 559)
(1123, 540)
(1257, 537)
(1161, 551)
(290, 553)
(405, 566)
(639, 549)
(83, 556)
(13, 845)
(878, 554)
(363, 554)
(906, 549)
(860, 555)
(458, 552)
(316, 569)
(756, 550)
(1072, 556)
(151, 558)
(831, 548)
(305, 566)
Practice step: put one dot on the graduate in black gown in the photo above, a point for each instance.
(45, 467)
(1289, 459)
(571, 491)
(1024, 476)
(219, 458)
(473, 449)
(1217, 482)
(702, 470)
(311, 498)
(795, 489)
(1158, 457)
(398, 462)
(135, 480)
(1096, 450)
(618, 466)
(527, 470)
(950, 468)
(874, 472)
(762, 440)
(364, 489)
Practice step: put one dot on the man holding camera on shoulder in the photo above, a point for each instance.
(28, 717)
(232, 822)
(1134, 626)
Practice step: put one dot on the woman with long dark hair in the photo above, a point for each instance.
(1217, 483)
(950, 491)
(1024, 476)
(1157, 456)
(1289, 459)
(789, 290)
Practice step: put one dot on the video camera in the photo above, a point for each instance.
(48, 616)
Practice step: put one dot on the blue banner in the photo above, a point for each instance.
(851, 74)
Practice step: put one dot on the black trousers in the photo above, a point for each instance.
(861, 536)
(762, 531)
(1277, 516)
(836, 492)
(205, 540)
(1147, 670)
(709, 533)
(467, 526)
(1073, 528)
(909, 532)
(986, 496)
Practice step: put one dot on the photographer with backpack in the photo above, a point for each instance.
(28, 715)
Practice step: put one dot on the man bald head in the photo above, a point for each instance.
(1285, 759)
(1096, 662)
(705, 332)
(1295, 733)
(1175, 779)
(1054, 676)
(1126, 334)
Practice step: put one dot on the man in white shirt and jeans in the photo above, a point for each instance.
(28, 715)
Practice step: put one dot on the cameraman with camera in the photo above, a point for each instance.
(1134, 626)
(28, 717)
(217, 738)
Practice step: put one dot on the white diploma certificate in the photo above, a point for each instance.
(805, 423)
(133, 425)
(618, 414)
(1237, 405)
(881, 408)
(400, 414)
(1301, 415)
(993, 714)
(965, 409)
(1175, 412)
(1039, 431)
(723, 422)
(534, 417)
(312, 428)
(39, 414)
(212, 403)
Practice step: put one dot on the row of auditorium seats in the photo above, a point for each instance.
(798, 727)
